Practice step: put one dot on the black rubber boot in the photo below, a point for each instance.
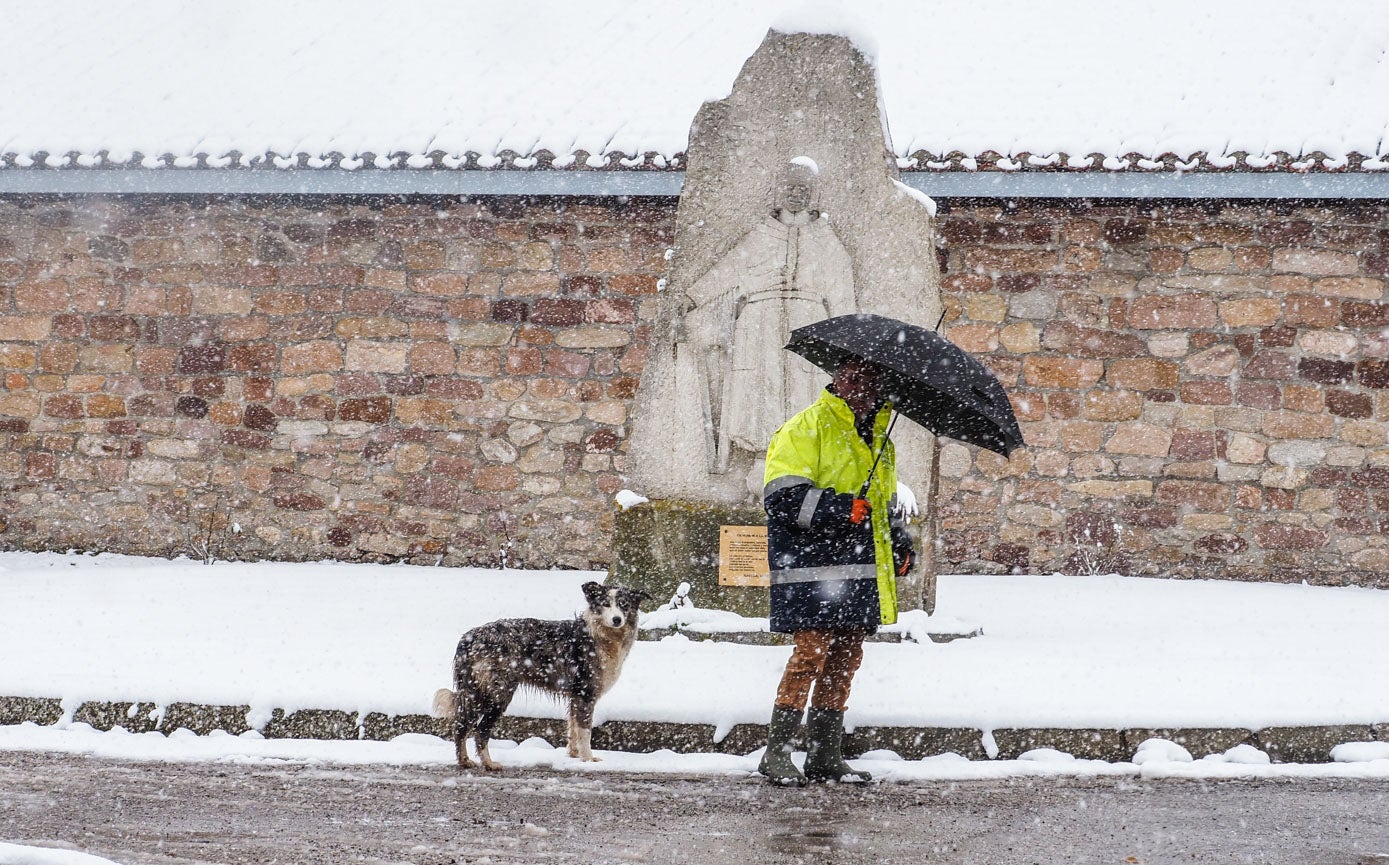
(776, 762)
(824, 756)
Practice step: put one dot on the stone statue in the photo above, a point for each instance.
(755, 256)
(788, 270)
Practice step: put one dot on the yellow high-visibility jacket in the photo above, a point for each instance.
(827, 572)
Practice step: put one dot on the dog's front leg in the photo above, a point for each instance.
(581, 730)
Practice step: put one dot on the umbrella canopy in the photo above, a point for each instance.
(926, 376)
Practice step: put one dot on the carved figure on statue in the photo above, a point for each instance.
(789, 270)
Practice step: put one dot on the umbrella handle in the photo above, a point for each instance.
(863, 494)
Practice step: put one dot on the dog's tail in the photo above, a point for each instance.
(445, 704)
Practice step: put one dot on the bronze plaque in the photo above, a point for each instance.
(743, 556)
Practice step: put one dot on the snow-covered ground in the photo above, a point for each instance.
(1090, 652)
(22, 854)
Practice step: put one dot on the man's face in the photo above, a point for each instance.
(856, 383)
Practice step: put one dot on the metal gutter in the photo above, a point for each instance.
(1128, 184)
(335, 181)
(432, 181)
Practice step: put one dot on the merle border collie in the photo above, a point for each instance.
(578, 660)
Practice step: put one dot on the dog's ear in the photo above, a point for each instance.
(595, 593)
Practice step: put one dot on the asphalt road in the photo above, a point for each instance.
(185, 813)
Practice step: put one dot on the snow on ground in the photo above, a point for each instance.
(1094, 651)
(19, 854)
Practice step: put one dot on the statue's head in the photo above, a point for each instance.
(796, 186)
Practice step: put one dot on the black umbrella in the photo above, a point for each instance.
(926, 376)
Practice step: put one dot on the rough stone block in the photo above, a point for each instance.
(1142, 374)
(1062, 372)
(26, 328)
(552, 730)
(916, 743)
(1362, 288)
(1083, 744)
(202, 358)
(1324, 371)
(660, 544)
(746, 738)
(1112, 489)
(1298, 425)
(1274, 536)
(1315, 262)
(375, 409)
(557, 312)
(1206, 393)
(1359, 314)
(1079, 341)
(311, 724)
(377, 357)
(1140, 438)
(102, 715)
(203, 719)
(310, 357)
(381, 727)
(1308, 744)
(643, 737)
(36, 710)
(1349, 405)
(593, 337)
(1199, 495)
(1373, 373)
(1200, 742)
(1172, 312)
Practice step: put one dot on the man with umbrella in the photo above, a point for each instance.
(835, 545)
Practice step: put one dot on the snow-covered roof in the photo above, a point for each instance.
(1013, 86)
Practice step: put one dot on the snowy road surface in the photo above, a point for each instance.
(171, 814)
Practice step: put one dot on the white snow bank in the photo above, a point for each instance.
(1360, 752)
(1089, 652)
(20, 854)
(431, 751)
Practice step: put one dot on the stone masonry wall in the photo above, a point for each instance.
(430, 381)
(1204, 390)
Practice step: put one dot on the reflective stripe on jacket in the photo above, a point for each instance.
(827, 572)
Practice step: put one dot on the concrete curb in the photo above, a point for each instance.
(1311, 744)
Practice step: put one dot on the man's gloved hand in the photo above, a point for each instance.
(860, 511)
(903, 553)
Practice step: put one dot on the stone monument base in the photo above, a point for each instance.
(658, 545)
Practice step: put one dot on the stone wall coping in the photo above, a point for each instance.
(1302, 744)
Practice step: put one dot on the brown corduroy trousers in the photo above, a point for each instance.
(826, 660)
